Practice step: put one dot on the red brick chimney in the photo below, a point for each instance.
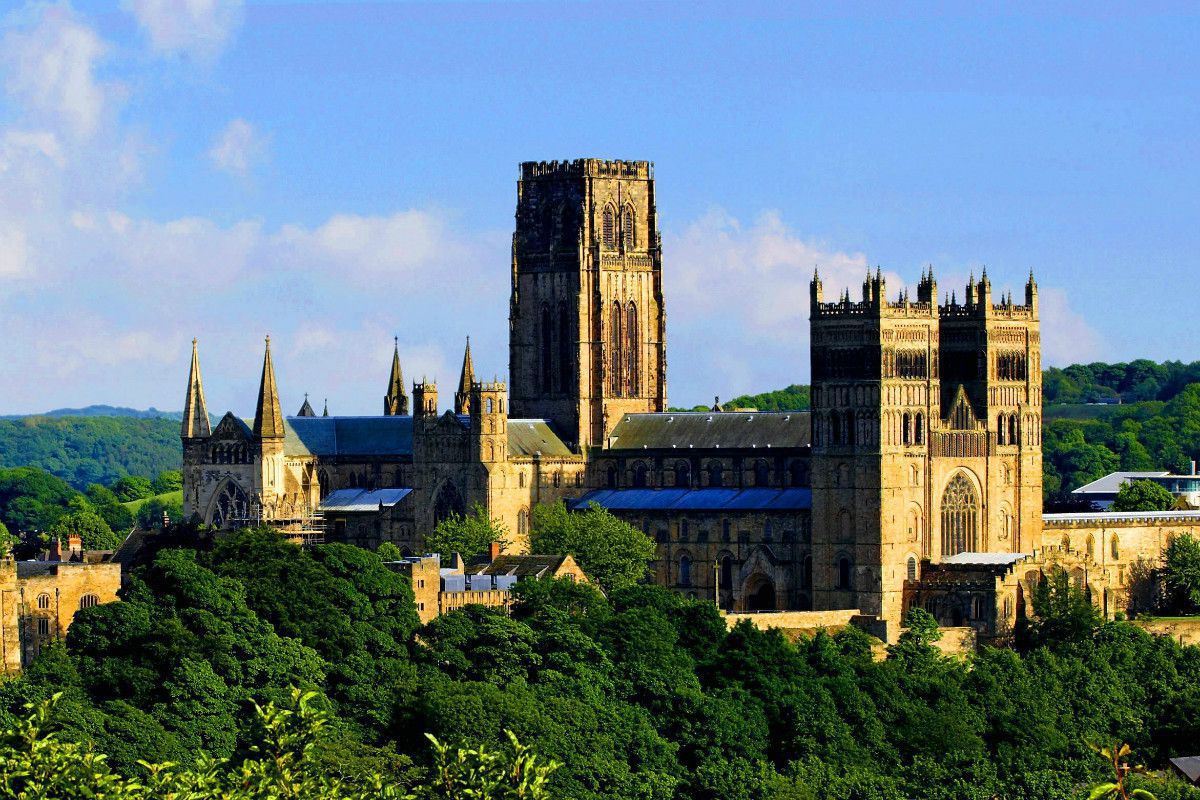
(55, 551)
(493, 551)
(75, 547)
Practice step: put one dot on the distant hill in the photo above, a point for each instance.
(91, 449)
(104, 411)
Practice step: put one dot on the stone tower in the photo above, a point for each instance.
(906, 468)
(586, 319)
(268, 433)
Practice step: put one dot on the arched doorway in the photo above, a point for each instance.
(760, 593)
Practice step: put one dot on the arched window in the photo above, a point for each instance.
(912, 568)
(906, 429)
(566, 370)
(1001, 430)
(547, 350)
(806, 575)
(632, 353)
(522, 522)
(489, 405)
(1116, 547)
(639, 475)
(1091, 547)
(919, 428)
(89, 601)
(521, 480)
(685, 571)
(231, 506)
(727, 572)
(616, 344)
(612, 477)
(716, 474)
(978, 607)
(835, 428)
(43, 601)
(606, 226)
(683, 474)
(1012, 430)
(915, 475)
(848, 428)
(762, 473)
(684, 530)
(796, 471)
(843, 573)
(960, 517)
(628, 228)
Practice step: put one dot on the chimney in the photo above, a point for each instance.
(493, 551)
(74, 547)
(55, 551)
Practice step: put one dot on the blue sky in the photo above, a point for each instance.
(338, 173)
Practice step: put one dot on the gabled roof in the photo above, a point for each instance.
(350, 500)
(348, 436)
(230, 424)
(1189, 766)
(527, 437)
(531, 566)
(698, 499)
(703, 430)
(1112, 482)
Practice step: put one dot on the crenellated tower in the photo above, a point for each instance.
(586, 319)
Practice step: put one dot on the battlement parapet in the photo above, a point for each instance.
(864, 309)
(996, 311)
(587, 167)
(488, 386)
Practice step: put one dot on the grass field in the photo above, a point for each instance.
(134, 505)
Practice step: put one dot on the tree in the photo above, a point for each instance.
(614, 553)
(920, 635)
(1142, 496)
(1062, 612)
(150, 513)
(132, 487)
(1182, 573)
(7, 540)
(389, 552)
(169, 480)
(93, 531)
(469, 535)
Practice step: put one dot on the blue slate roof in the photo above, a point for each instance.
(698, 499)
(348, 437)
(363, 499)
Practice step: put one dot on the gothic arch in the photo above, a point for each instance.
(547, 349)
(228, 504)
(683, 474)
(616, 346)
(608, 226)
(628, 227)
(447, 501)
(566, 371)
(632, 353)
(960, 515)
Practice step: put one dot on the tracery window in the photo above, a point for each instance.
(89, 601)
(616, 361)
(231, 505)
(912, 568)
(628, 237)
(960, 517)
(632, 365)
(43, 601)
(607, 226)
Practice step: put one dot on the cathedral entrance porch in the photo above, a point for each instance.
(760, 593)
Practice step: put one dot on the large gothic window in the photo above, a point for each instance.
(547, 349)
(632, 352)
(607, 226)
(231, 505)
(449, 502)
(616, 364)
(628, 238)
(960, 517)
(565, 372)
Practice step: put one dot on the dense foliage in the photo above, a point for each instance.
(1134, 382)
(1181, 574)
(86, 450)
(469, 535)
(640, 694)
(1142, 496)
(611, 551)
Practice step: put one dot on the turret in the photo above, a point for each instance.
(395, 402)
(489, 422)
(927, 288)
(985, 292)
(1031, 295)
(462, 398)
(195, 411)
(425, 399)
(816, 292)
(268, 416)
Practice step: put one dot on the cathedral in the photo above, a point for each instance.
(915, 479)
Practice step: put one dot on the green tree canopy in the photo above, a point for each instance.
(469, 535)
(1142, 496)
(389, 552)
(612, 552)
(132, 487)
(92, 530)
(169, 480)
(1182, 573)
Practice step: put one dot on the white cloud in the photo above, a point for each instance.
(199, 29)
(1067, 338)
(238, 148)
(51, 69)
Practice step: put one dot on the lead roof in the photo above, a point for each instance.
(704, 430)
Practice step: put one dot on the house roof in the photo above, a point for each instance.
(348, 436)
(1189, 766)
(698, 499)
(527, 437)
(1111, 483)
(704, 430)
(350, 500)
(531, 566)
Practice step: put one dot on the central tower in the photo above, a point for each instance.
(586, 320)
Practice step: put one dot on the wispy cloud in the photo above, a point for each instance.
(199, 29)
(238, 148)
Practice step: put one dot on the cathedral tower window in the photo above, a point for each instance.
(616, 343)
(919, 428)
(628, 228)
(906, 429)
(565, 371)
(607, 226)
(632, 350)
(1012, 430)
(912, 568)
(843, 573)
(547, 350)
(960, 517)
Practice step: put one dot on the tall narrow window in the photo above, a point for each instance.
(685, 571)
(960, 517)
(566, 372)
(547, 349)
(632, 352)
(906, 430)
(607, 226)
(919, 428)
(912, 568)
(615, 354)
(628, 239)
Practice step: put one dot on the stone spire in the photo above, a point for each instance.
(395, 403)
(268, 416)
(325, 413)
(195, 412)
(462, 398)
(306, 410)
